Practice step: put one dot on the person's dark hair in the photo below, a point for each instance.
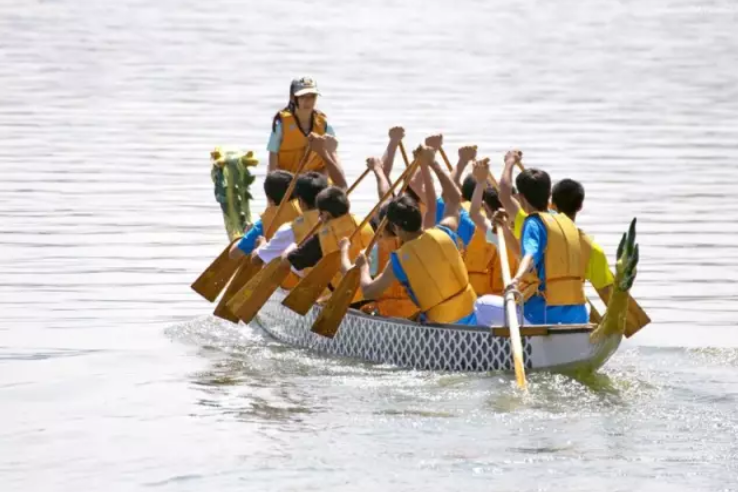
(309, 185)
(276, 184)
(568, 196)
(291, 105)
(334, 201)
(404, 212)
(535, 186)
(492, 199)
(467, 187)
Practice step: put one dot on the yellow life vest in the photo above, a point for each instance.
(304, 224)
(294, 142)
(478, 258)
(289, 213)
(437, 277)
(566, 256)
(395, 301)
(336, 229)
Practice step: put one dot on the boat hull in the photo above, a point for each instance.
(435, 347)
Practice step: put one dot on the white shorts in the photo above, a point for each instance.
(490, 311)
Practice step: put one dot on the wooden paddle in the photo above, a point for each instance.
(254, 293)
(511, 313)
(257, 291)
(247, 269)
(332, 314)
(211, 282)
(304, 295)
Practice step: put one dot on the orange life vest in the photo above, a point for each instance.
(294, 142)
(437, 276)
(336, 229)
(289, 213)
(395, 301)
(566, 256)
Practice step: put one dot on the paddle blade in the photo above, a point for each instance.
(211, 282)
(242, 276)
(257, 291)
(332, 314)
(304, 295)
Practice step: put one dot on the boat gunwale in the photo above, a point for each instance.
(525, 330)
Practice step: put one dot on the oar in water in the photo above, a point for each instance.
(511, 313)
(304, 295)
(247, 268)
(257, 291)
(211, 282)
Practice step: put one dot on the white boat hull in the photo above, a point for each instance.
(407, 344)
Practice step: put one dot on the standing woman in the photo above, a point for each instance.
(296, 126)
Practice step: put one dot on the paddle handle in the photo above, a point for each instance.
(445, 159)
(404, 154)
(512, 313)
(405, 179)
(358, 180)
(286, 198)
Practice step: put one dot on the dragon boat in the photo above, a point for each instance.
(408, 344)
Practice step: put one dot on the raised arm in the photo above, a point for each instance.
(429, 219)
(450, 192)
(480, 172)
(509, 202)
(326, 147)
(396, 134)
(466, 155)
(377, 167)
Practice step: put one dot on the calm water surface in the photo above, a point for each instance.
(112, 373)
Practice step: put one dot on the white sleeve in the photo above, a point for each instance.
(276, 246)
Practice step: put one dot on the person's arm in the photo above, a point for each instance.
(396, 134)
(325, 146)
(450, 192)
(373, 288)
(275, 142)
(307, 255)
(480, 173)
(346, 265)
(466, 155)
(383, 185)
(509, 203)
(246, 245)
(279, 243)
(429, 219)
(533, 246)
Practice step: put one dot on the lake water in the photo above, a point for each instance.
(114, 376)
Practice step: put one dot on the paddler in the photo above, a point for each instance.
(275, 186)
(333, 209)
(307, 188)
(568, 199)
(292, 126)
(429, 263)
(481, 256)
(394, 301)
(552, 268)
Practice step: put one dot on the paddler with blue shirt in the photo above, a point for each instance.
(552, 269)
